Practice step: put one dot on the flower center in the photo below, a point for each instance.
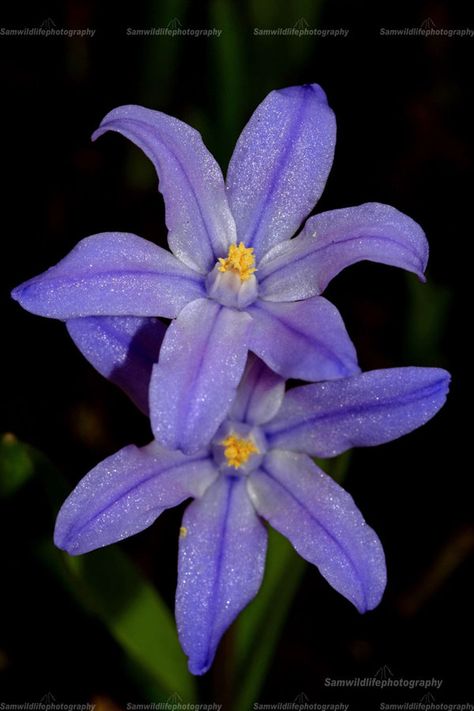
(237, 451)
(240, 260)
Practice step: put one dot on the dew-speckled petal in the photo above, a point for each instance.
(112, 274)
(259, 395)
(304, 339)
(323, 523)
(280, 165)
(325, 419)
(221, 561)
(334, 240)
(200, 224)
(194, 383)
(126, 492)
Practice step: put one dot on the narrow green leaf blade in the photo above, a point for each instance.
(135, 615)
(260, 625)
(16, 465)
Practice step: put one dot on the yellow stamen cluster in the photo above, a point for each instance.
(237, 451)
(240, 260)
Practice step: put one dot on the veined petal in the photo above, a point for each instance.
(198, 218)
(325, 419)
(112, 274)
(259, 395)
(126, 492)
(221, 561)
(305, 339)
(201, 362)
(332, 241)
(323, 523)
(122, 348)
(280, 165)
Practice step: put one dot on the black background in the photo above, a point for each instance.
(404, 111)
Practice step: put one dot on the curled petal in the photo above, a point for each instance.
(201, 362)
(280, 165)
(259, 395)
(112, 274)
(122, 348)
(126, 492)
(198, 218)
(325, 419)
(323, 523)
(305, 339)
(221, 561)
(334, 240)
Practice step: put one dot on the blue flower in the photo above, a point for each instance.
(234, 280)
(258, 466)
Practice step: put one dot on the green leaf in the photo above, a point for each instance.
(426, 318)
(259, 626)
(135, 615)
(230, 72)
(16, 464)
(160, 56)
(336, 467)
(110, 586)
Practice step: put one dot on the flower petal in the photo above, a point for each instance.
(221, 560)
(259, 395)
(325, 419)
(122, 348)
(198, 218)
(280, 165)
(305, 339)
(112, 274)
(332, 241)
(201, 362)
(323, 523)
(126, 492)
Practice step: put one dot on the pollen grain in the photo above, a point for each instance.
(237, 451)
(240, 260)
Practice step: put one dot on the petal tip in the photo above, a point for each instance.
(199, 668)
(16, 293)
(295, 91)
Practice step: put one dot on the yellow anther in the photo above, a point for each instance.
(237, 451)
(183, 532)
(240, 260)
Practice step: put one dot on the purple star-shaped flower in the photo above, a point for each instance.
(234, 281)
(258, 466)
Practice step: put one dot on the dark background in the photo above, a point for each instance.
(404, 111)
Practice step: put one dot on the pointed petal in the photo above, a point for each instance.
(198, 218)
(221, 560)
(332, 241)
(126, 492)
(112, 274)
(280, 165)
(323, 523)
(122, 348)
(305, 339)
(201, 362)
(325, 419)
(259, 395)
